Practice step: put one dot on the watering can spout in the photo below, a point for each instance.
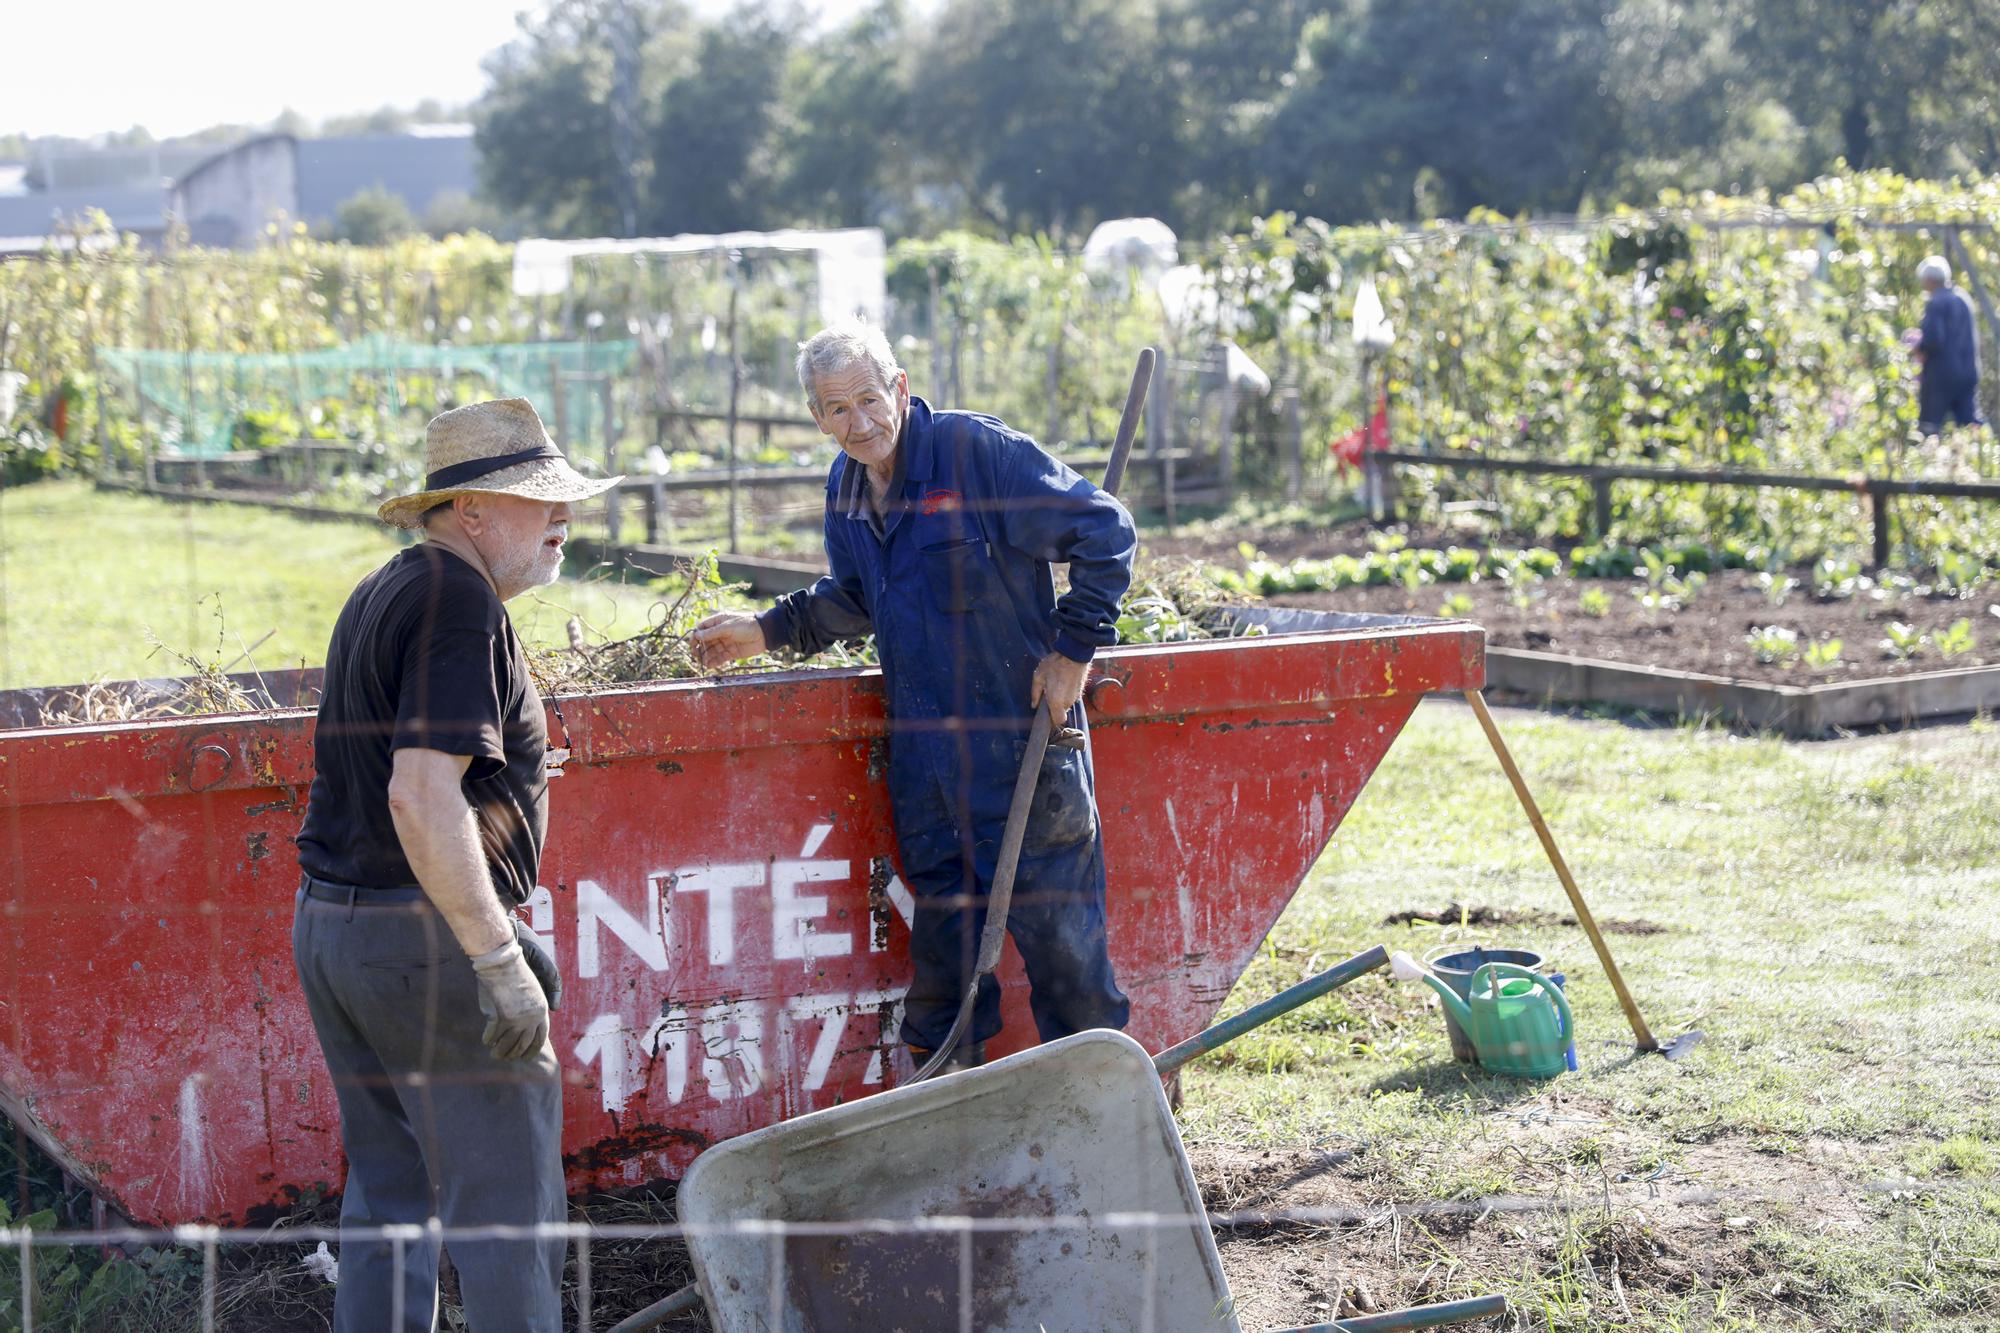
(1457, 1008)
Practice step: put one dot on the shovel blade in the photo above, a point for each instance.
(1680, 1047)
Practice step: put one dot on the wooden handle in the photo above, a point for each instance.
(1589, 922)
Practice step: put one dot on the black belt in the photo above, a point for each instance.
(329, 892)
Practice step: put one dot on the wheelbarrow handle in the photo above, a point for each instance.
(659, 1312)
(1418, 1316)
(1167, 1061)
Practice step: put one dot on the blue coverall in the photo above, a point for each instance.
(954, 581)
(1949, 385)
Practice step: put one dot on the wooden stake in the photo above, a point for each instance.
(1639, 1028)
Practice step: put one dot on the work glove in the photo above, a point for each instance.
(517, 1013)
(539, 962)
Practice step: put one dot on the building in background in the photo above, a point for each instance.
(227, 197)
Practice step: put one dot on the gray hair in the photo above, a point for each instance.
(839, 347)
(1934, 269)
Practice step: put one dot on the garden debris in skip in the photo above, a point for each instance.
(660, 652)
(1174, 601)
(206, 689)
(1168, 602)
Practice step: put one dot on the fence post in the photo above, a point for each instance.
(735, 386)
(1600, 507)
(607, 402)
(1160, 436)
(558, 404)
(1054, 431)
(1878, 502)
(1295, 455)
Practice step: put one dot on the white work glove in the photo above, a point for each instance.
(517, 1013)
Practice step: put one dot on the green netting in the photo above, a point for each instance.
(377, 389)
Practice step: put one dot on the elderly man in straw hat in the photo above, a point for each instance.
(425, 826)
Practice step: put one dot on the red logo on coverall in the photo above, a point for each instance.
(938, 502)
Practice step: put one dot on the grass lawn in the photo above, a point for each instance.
(89, 580)
(1826, 1159)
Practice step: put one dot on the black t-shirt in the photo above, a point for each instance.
(423, 656)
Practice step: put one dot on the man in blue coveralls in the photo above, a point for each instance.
(1947, 344)
(941, 528)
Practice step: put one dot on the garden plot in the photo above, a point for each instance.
(1737, 624)
(1724, 610)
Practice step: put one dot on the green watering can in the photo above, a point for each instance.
(1517, 1019)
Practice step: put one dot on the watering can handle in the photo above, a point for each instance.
(1553, 991)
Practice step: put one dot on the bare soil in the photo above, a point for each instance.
(1315, 1239)
(1710, 636)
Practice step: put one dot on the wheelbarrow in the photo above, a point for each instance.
(1046, 1191)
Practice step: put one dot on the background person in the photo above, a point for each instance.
(941, 528)
(425, 826)
(1947, 345)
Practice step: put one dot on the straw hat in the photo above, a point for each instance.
(494, 448)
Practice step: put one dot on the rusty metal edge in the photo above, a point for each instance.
(264, 750)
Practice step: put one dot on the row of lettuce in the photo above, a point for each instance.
(1392, 564)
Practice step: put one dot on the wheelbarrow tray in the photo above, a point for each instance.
(1047, 1190)
(719, 889)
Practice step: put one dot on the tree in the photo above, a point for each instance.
(1240, 62)
(372, 217)
(1406, 110)
(1053, 113)
(846, 155)
(713, 142)
(454, 212)
(544, 127)
(1692, 112)
(1888, 83)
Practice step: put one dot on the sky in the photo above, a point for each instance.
(179, 67)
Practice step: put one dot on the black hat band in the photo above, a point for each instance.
(459, 473)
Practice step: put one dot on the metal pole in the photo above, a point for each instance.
(1295, 452)
(735, 388)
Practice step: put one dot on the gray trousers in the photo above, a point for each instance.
(433, 1123)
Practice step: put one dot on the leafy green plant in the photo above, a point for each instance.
(1523, 584)
(1155, 619)
(1684, 591)
(1666, 590)
(1903, 641)
(69, 1287)
(1955, 639)
(1774, 645)
(1603, 562)
(1594, 602)
(1959, 573)
(1775, 587)
(1456, 606)
(1824, 654)
(1837, 578)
